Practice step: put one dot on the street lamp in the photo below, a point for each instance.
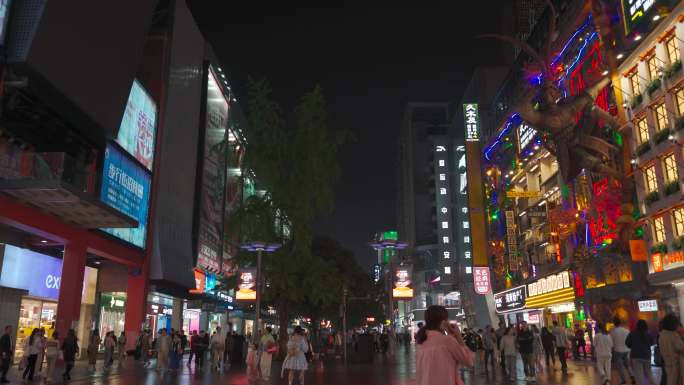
(259, 247)
(389, 244)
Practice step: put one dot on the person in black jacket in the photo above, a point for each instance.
(548, 342)
(69, 349)
(639, 342)
(526, 347)
(5, 353)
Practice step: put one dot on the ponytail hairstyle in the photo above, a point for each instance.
(434, 315)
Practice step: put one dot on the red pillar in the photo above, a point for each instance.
(136, 303)
(71, 287)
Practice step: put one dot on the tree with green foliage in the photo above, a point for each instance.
(296, 164)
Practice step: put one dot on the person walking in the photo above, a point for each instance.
(581, 342)
(671, 347)
(163, 350)
(500, 332)
(621, 351)
(6, 353)
(440, 350)
(192, 341)
(52, 350)
(69, 350)
(201, 346)
(639, 343)
(217, 347)
(145, 347)
(603, 350)
(34, 345)
(267, 347)
(561, 340)
(41, 353)
(509, 353)
(538, 349)
(295, 361)
(549, 344)
(121, 346)
(109, 344)
(526, 345)
(176, 353)
(489, 345)
(184, 343)
(93, 348)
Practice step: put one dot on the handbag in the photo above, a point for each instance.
(272, 348)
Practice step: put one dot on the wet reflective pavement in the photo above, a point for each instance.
(398, 371)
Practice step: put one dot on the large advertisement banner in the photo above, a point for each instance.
(247, 285)
(138, 126)
(126, 187)
(210, 245)
(402, 283)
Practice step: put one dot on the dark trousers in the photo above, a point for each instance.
(550, 356)
(584, 351)
(561, 358)
(67, 371)
(489, 357)
(199, 359)
(4, 367)
(192, 354)
(31, 366)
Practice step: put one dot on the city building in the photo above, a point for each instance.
(650, 84)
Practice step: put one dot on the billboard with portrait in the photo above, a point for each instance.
(246, 285)
(138, 126)
(402, 283)
(126, 187)
(209, 243)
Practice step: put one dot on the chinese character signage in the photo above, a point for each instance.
(126, 187)
(510, 300)
(402, 283)
(210, 231)
(648, 305)
(137, 131)
(444, 230)
(550, 284)
(377, 273)
(462, 231)
(481, 280)
(472, 122)
(525, 135)
(636, 12)
(512, 239)
(247, 285)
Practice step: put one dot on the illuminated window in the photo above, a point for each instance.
(672, 49)
(671, 174)
(679, 98)
(678, 218)
(659, 230)
(661, 116)
(634, 82)
(652, 67)
(651, 182)
(642, 130)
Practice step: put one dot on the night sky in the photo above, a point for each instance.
(370, 62)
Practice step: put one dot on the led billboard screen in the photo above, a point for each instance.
(138, 126)
(126, 187)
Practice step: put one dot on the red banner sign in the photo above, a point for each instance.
(481, 280)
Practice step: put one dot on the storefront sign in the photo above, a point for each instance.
(648, 305)
(531, 318)
(199, 282)
(536, 212)
(667, 261)
(472, 122)
(126, 187)
(377, 273)
(402, 283)
(563, 308)
(523, 194)
(40, 274)
(113, 301)
(138, 126)
(525, 135)
(223, 296)
(210, 231)
(444, 225)
(510, 300)
(549, 284)
(481, 280)
(512, 239)
(247, 285)
(636, 12)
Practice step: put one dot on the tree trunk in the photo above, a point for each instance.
(283, 318)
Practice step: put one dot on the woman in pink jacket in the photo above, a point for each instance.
(440, 351)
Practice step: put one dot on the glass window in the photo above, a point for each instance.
(661, 116)
(652, 67)
(678, 218)
(651, 182)
(670, 164)
(634, 82)
(679, 98)
(642, 130)
(659, 230)
(672, 49)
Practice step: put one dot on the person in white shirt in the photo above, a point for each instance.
(163, 350)
(561, 336)
(34, 345)
(603, 349)
(620, 351)
(509, 352)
